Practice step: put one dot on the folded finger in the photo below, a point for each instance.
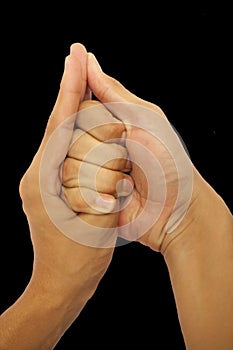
(94, 118)
(85, 200)
(101, 221)
(108, 155)
(76, 173)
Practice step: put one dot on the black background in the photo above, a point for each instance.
(175, 55)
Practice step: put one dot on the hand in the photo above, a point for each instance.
(71, 252)
(161, 168)
(60, 262)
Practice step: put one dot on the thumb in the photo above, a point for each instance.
(110, 91)
(73, 87)
(104, 87)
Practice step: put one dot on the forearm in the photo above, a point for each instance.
(200, 264)
(39, 318)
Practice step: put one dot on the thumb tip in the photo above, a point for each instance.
(78, 47)
(93, 61)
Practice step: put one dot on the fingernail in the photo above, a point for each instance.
(76, 48)
(124, 187)
(105, 204)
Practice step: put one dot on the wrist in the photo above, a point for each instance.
(61, 299)
(198, 255)
(40, 317)
(203, 224)
(62, 291)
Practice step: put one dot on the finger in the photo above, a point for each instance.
(72, 90)
(85, 200)
(101, 221)
(60, 125)
(53, 150)
(108, 155)
(73, 85)
(109, 90)
(76, 173)
(98, 121)
(106, 88)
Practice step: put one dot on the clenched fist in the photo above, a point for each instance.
(94, 173)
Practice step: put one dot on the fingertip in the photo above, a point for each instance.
(67, 61)
(92, 60)
(78, 51)
(76, 48)
(125, 187)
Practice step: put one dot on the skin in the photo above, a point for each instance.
(199, 251)
(89, 153)
(65, 273)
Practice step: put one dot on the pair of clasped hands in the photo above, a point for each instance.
(109, 171)
(106, 168)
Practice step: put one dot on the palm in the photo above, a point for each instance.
(154, 170)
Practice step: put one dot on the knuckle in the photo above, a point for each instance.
(74, 199)
(115, 130)
(29, 193)
(69, 169)
(88, 103)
